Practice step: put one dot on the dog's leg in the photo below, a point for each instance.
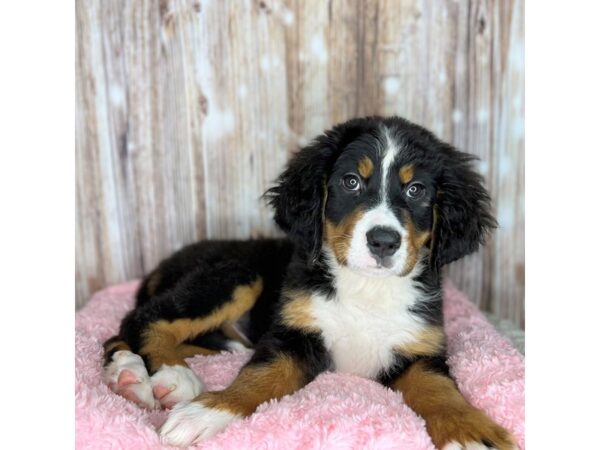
(155, 336)
(451, 421)
(163, 345)
(275, 370)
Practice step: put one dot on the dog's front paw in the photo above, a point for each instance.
(191, 423)
(174, 384)
(471, 430)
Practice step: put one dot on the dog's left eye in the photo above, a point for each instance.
(351, 182)
(415, 191)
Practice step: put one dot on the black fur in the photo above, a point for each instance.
(463, 206)
(201, 277)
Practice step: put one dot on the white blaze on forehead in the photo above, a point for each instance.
(389, 152)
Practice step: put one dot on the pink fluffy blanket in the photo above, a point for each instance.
(334, 411)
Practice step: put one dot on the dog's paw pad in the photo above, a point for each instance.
(126, 376)
(174, 384)
(191, 423)
(160, 391)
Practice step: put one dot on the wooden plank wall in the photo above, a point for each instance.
(187, 110)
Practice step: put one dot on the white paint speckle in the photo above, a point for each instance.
(219, 123)
(442, 78)
(220, 120)
(265, 63)
(317, 46)
(242, 91)
(457, 116)
(391, 85)
(506, 218)
(517, 102)
(303, 140)
(504, 166)
(117, 95)
(517, 56)
(483, 167)
(482, 115)
(518, 129)
(287, 17)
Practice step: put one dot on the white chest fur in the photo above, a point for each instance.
(366, 320)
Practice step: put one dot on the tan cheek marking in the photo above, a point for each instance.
(296, 312)
(407, 173)
(339, 236)
(416, 240)
(365, 167)
(448, 416)
(429, 342)
(256, 384)
(162, 338)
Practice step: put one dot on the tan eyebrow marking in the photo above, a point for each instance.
(407, 173)
(365, 167)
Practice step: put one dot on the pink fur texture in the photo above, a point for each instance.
(335, 411)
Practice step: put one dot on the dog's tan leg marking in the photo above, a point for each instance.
(211, 412)
(448, 416)
(256, 384)
(189, 350)
(163, 345)
(162, 339)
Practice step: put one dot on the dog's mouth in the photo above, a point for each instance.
(377, 267)
(385, 262)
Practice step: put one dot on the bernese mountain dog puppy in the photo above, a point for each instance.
(373, 209)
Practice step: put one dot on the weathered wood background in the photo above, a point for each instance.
(188, 110)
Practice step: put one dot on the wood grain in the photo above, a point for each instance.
(187, 110)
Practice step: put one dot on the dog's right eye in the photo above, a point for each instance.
(351, 182)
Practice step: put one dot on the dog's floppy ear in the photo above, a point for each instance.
(462, 211)
(298, 197)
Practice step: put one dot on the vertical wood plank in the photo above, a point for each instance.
(308, 52)
(245, 134)
(508, 282)
(474, 134)
(103, 176)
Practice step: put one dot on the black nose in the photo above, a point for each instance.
(383, 241)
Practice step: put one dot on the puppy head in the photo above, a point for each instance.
(379, 195)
